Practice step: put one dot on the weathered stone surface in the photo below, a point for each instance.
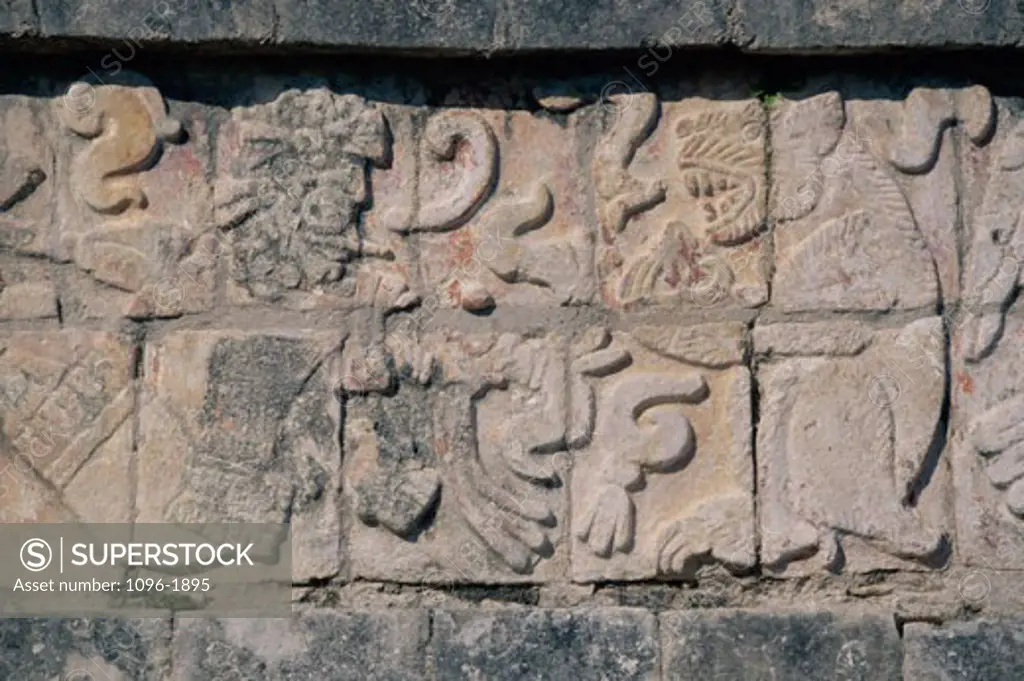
(67, 403)
(242, 426)
(787, 26)
(503, 224)
(865, 197)
(988, 373)
(988, 650)
(589, 645)
(17, 18)
(135, 24)
(988, 418)
(680, 193)
(133, 205)
(758, 646)
(850, 442)
(436, 25)
(457, 473)
(85, 649)
(577, 24)
(663, 436)
(27, 289)
(386, 646)
(292, 185)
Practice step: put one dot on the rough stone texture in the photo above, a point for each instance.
(663, 475)
(680, 194)
(67, 426)
(858, 25)
(138, 249)
(589, 645)
(311, 645)
(988, 650)
(83, 650)
(457, 474)
(779, 646)
(864, 197)
(243, 427)
(849, 443)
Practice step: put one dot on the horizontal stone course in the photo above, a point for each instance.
(511, 26)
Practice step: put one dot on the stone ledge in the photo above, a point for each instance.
(487, 27)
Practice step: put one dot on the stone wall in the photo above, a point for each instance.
(625, 365)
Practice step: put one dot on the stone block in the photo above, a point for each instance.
(986, 650)
(454, 26)
(27, 287)
(851, 468)
(85, 649)
(988, 445)
(292, 185)
(580, 25)
(17, 18)
(312, 645)
(723, 645)
(503, 220)
(139, 24)
(784, 25)
(547, 645)
(133, 201)
(456, 473)
(865, 194)
(243, 426)
(662, 433)
(67, 404)
(680, 190)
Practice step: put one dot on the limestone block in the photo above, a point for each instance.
(864, 196)
(311, 646)
(780, 646)
(27, 289)
(67, 403)
(456, 473)
(851, 469)
(680, 193)
(502, 209)
(242, 426)
(662, 432)
(589, 645)
(85, 649)
(292, 185)
(987, 650)
(133, 201)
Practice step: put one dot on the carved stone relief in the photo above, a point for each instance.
(27, 289)
(291, 189)
(680, 192)
(456, 474)
(661, 427)
(243, 427)
(133, 206)
(988, 390)
(864, 197)
(499, 222)
(66, 401)
(850, 441)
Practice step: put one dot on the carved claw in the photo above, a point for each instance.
(609, 525)
(981, 333)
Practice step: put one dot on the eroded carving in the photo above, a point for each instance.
(663, 472)
(294, 195)
(680, 204)
(848, 440)
(462, 448)
(239, 427)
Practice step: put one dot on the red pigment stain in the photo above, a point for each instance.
(966, 383)
(460, 247)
